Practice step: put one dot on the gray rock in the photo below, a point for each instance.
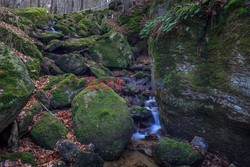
(200, 143)
(16, 86)
(71, 63)
(43, 98)
(67, 150)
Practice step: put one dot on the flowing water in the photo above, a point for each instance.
(154, 126)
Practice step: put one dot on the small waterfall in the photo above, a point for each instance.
(155, 126)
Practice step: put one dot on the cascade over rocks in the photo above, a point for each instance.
(102, 117)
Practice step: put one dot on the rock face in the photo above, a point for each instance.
(113, 50)
(16, 86)
(170, 152)
(206, 81)
(47, 131)
(102, 117)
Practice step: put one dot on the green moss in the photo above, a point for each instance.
(113, 50)
(27, 120)
(101, 117)
(62, 28)
(47, 131)
(14, 78)
(38, 16)
(234, 4)
(48, 36)
(175, 153)
(53, 80)
(34, 67)
(20, 43)
(26, 158)
(77, 16)
(133, 22)
(66, 90)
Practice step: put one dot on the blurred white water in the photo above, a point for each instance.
(155, 126)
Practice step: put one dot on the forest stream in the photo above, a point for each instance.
(124, 83)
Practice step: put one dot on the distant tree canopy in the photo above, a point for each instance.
(57, 6)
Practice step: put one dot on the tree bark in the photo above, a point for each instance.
(52, 6)
(39, 3)
(82, 5)
(72, 6)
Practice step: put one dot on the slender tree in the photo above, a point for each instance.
(39, 3)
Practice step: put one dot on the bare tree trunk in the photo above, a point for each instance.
(72, 6)
(82, 4)
(125, 6)
(55, 7)
(39, 3)
(31, 3)
(51, 6)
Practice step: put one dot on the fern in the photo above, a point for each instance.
(171, 19)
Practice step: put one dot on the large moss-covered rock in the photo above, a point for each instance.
(23, 44)
(102, 117)
(113, 50)
(16, 86)
(70, 45)
(66, 90)
(168, 151)
(34, 16)
(47, 131)
(72, 63)
(97, 69)
(20, 42)
(206, 77)
(26, 158)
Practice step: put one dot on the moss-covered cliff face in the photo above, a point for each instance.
(204, 64)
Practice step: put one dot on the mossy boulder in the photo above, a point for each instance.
(47, 131)
(37, 16)
(66, 90)
(46, 37)
(168, 151)
(70, 45)
(72, 63)
(113, 50)
(21, 43)
(140, 114)
(28, 118)
(98, 69)
(26, 158)
(16, 86)
(63, 28)
(101, 117)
